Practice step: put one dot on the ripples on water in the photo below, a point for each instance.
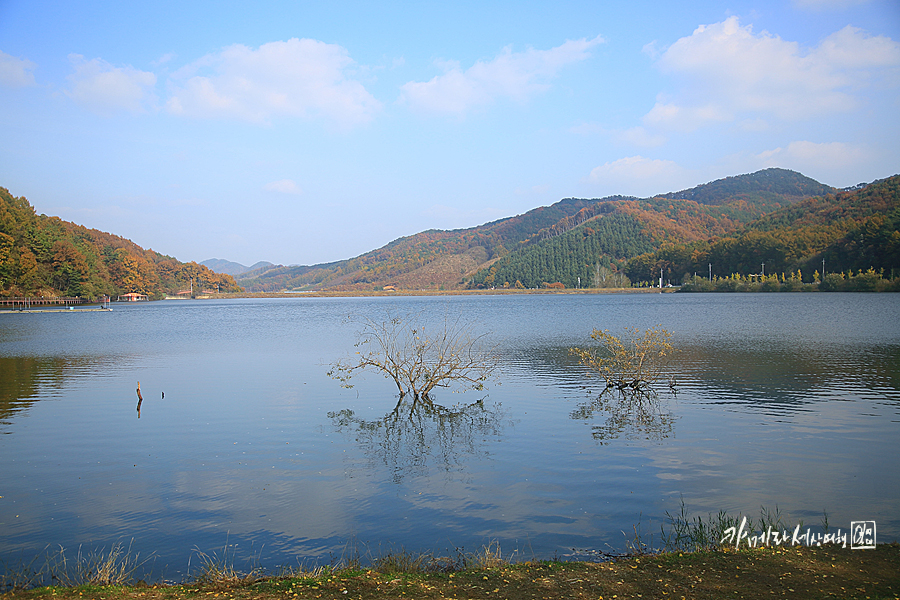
(787, 400)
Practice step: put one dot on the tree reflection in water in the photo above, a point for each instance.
(25, 380)
(419, 433)
(628, 414)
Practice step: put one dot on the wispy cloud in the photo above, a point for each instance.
(827, 4)
(807, 156)
(105, 89)
(684, 118)
(15, 72)
(165, 58)
(296, 78)
(640, 136)
(637, 175)
(727, 72)
(449, 217)
(635, 136)
(512, 75)
(535, 190)
(283, 186)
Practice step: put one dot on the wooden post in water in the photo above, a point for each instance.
(140, 399)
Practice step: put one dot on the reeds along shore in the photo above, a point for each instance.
(796, 573)
(683, 547)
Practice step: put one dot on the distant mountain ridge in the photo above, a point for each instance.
(439, 259)
(770, 183)
(220, 265)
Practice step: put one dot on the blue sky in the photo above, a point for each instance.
(306, 132)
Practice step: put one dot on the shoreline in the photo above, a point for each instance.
(402, 293)
(796, 573)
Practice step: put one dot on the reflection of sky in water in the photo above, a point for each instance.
(785, 399)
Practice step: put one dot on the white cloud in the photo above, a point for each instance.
(636, 175)
(283, 186)
(104, 89)
(15, 72)
(296, 78)
(727, 71)
(514, 75)
(851, 49)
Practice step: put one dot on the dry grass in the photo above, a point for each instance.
(117, 566)
(797, 573)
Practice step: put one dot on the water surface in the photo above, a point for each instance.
(787, 400)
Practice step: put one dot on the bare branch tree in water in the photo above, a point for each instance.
(420, 358)
(629, 365)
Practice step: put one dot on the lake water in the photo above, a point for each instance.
(784, 400)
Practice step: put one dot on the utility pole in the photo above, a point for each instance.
(764, 270)
(710, 271)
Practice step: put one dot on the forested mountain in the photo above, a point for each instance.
(46, 256)
(582, 257)
(525, 248)
(431, 259)
(858, 229)
(770, 186)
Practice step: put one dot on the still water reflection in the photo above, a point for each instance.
(788, 400)
(417, 436)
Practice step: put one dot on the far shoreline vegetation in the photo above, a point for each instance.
(862, 281)
(834, 282)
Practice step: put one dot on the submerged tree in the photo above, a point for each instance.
(419, 358)
(629, 365)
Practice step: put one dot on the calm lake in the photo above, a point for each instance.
(784, 400)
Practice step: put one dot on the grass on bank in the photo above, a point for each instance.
(826, 572)
(695, 564)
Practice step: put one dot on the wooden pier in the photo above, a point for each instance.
(48, 303)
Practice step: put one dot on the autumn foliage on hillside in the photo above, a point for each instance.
(536, 247)
(41, 255)
(853, 230)
(593, 252)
